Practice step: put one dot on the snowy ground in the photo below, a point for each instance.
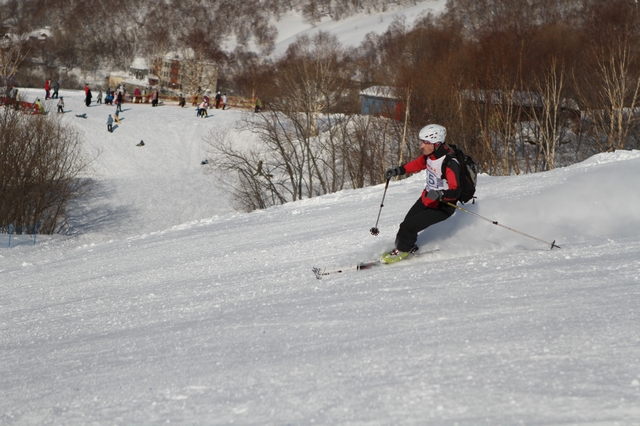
(165, 306)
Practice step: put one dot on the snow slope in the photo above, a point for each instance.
(150, 188)
(351, 31)
(165, 306)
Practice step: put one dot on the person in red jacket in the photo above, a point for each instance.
(443, 175)
(47, 89)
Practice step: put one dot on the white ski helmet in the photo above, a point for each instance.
(433, 133)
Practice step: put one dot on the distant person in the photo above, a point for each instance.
(218, 98)
(110, 124)
(224, 101)
(87, 99)
(119, 107)
(56, 87)
(154, 97)
(99, 98)
(258, 106)
(137, 96)
(61, 106)
(202, 110)
(47, 89)
(182, 101)
(13, 95)
(38, 107)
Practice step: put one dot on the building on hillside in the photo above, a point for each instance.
(115, 79)
(381, 100)
(137, 76)
(525, 105)
(7, 27)
(40, 35)
(178, 73)
(139, 70)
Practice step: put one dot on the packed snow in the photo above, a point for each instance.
(164, 305)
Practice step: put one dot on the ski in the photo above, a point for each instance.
(360, 266)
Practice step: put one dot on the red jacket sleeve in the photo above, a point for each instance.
(416, 165)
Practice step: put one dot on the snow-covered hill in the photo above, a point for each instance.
(351, 31)
(165, 306)
(150, 188)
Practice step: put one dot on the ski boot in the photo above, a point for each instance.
(396, 255)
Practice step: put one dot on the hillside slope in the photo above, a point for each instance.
(150, 188)
(350, 31)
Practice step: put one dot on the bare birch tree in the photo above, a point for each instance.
(198, 52)
(547, 101)
(612, 102)
(311, 80)
(12, 53)
(253, 182)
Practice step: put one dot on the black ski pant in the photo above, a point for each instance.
(418, 219)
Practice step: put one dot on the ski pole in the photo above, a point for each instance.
(375, 231)
(495, 222)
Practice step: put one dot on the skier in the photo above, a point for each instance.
(56, 87)
(442, 186)
(119, 99)
(110, 124)
(224, 101)
(99, 98)
(218, 97)
(47, 89)
(61, 105)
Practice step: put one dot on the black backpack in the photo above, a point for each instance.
(468, 174)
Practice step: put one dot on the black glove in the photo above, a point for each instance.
(434, 194)
(394, 171)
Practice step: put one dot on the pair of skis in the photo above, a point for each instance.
(360, 266)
